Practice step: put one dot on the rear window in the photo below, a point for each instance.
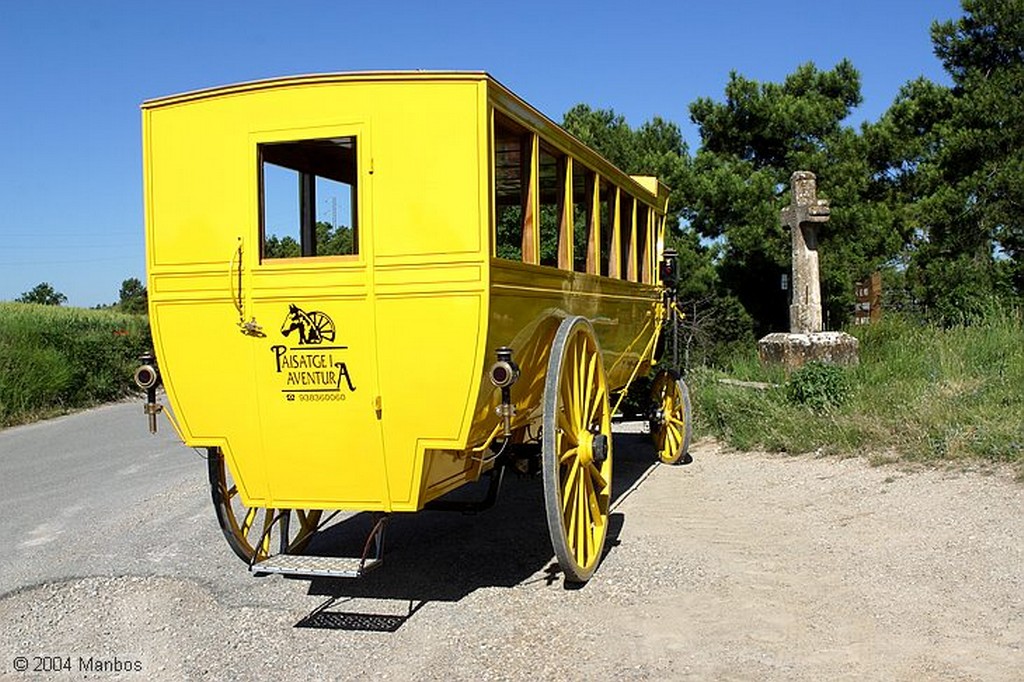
(308, 191)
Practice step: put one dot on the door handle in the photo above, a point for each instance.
(250, 328)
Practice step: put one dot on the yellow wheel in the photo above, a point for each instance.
(246, 527)
(577, 449)
(671, 418)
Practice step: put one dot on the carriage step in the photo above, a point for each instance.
(315, 566)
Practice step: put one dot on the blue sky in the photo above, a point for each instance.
(72, 76)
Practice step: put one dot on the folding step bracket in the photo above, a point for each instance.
(326, 566)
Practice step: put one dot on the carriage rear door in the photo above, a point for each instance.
(311, 293)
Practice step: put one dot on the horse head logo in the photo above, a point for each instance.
(314, 327)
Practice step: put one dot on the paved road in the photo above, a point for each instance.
(740, 566)
(77, 494)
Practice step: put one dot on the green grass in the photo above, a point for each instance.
(53, 359)
(920, 393)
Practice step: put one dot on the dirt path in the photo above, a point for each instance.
(740, 566)
(802, 568)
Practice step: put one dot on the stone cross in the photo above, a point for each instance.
(802, 217)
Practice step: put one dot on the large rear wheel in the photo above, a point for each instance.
(577, 449)
(246, 528)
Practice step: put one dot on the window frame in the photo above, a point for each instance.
(360, 139)
(614, 249)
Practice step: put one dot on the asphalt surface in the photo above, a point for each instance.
(740, 566)
(78, 493)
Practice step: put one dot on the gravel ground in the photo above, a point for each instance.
(740, 566)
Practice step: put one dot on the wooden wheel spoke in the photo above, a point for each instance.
(581, 370)
(247, 534)
(569, 430)
(595, 505)
(598, 402)
(305, 519)
(591, 395)
(264, 539)
(569, 483)
(569, 511)
(250, 516)
(583, 520)
(598, 479)
(571, 452)
(586, 393)
(569, 405)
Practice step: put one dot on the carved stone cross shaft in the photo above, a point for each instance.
(802, 217)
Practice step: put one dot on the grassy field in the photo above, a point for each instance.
(920, 393)
(53, 359)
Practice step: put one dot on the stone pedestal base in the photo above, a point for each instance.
(793, 351)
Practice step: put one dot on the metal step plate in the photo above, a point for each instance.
(314, 566)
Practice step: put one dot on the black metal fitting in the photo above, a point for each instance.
(600, 448)
(147, 376)
(670, 280)
(503, 373)
(670, 269)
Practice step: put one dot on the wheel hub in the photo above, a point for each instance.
(586, 448)
(593, 448)
(657, 416)
(599, 447)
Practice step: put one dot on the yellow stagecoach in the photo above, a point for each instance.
(367, 290)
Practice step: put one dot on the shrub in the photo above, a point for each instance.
(818, 386)
(921, 392)
(56, 358)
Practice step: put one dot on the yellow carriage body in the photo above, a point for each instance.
(344, 365)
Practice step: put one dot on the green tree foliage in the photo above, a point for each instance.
(281, 247)
(44, 294)
(655, 148)
(751, 143)
(334, 240)
(952, 163)
(330, 241)
(510, 233)
(975, 209)
(932, 193)
(714, 320)
(133, 297)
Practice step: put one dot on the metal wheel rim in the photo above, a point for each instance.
(577, 490)
(671, 399)
(245, 527)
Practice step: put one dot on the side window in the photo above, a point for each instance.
(551, 186)
(626, 237)
(643, 254)
(607, 213)
(583, 216)
(512, 163)
(308, 191)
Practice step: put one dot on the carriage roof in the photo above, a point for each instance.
(651, 188)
